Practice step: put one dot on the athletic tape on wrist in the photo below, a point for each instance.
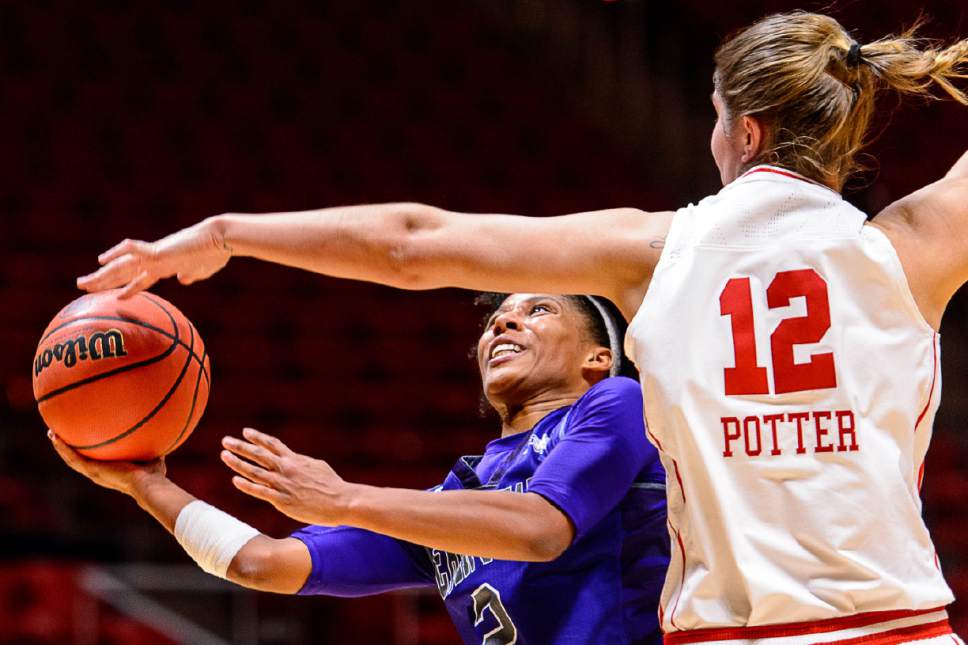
(211, 537)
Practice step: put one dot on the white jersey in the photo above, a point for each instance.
(790, 385)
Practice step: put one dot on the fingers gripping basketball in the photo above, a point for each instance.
(121, 379)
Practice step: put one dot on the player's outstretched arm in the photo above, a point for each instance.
(412, 246)
(960, 168)
(494, 524)
(928, 230)
(247, 558)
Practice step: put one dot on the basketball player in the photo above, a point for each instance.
(788, 348)
(557, 534)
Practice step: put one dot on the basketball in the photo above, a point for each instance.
(121, 379)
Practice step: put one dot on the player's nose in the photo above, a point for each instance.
(507, 320)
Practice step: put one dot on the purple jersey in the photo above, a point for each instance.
(590, 460)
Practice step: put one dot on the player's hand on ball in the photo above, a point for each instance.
(305, 489)
(191, 254)
(123, 476)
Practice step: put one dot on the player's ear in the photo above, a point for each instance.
(598, 360)
(753, 136)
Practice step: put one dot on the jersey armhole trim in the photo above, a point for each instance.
(672, 244)
(672, 241)
(900, 278)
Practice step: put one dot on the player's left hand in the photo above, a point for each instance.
(191, 254)
(305, 489)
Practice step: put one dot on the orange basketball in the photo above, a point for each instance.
(121, 379)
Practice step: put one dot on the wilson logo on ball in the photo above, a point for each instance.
(144, 400)
(100, 344)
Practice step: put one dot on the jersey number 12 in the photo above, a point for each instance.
(748, 377)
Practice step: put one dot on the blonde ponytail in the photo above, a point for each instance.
(814, 87)
(900, 64)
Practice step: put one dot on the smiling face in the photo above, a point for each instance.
(537, 344)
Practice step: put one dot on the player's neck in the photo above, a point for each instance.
(522, 417)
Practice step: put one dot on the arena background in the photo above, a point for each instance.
(126, 119)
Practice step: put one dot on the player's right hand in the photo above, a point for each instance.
(122, 476)
(191, 254)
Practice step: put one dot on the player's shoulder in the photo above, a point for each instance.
(616, 389)
(613, 406)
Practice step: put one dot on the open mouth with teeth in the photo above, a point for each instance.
(505, 350)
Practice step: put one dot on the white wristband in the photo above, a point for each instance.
(211, 537)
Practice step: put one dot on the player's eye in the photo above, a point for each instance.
(539, 308)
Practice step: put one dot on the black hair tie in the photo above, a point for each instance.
(853, 55)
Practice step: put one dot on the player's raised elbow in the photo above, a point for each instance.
(410, 253)
(266, 564)
(546, 548)
(550, 533)
(253, 565)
